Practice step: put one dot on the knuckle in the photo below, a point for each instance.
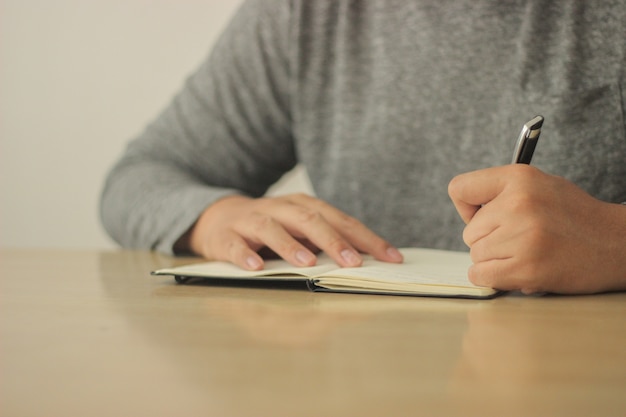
(335, 244)
(308, 216)
(480, 252)
(347, 224)
(522, 203)
(265, 203)
(261, 222)
(521, 178)
(468, 236)
(288, 247)
(232, 249)
(222, 247)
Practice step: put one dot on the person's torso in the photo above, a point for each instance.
(392, 99)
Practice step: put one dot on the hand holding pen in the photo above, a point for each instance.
(534, 232)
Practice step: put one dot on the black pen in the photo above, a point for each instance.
(527, 141)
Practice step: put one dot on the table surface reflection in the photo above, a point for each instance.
(92, 333)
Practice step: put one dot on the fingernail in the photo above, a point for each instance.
(253, 263)
(394, 254)
(350, 257)
(305, 258)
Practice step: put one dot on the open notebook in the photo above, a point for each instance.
(425, 272)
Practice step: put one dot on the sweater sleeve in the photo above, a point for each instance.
(227, 131)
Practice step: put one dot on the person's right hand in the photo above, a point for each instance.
(236, 228)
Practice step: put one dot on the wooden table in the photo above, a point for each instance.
(89, 333)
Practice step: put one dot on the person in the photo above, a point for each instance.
(404, 115)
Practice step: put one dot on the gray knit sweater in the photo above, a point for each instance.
(383, 102)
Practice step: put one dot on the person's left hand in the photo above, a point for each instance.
(535, 232)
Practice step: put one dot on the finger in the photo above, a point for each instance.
(485, 221)
(499, 262)
(471, 190)
(493, 246)
(364, 239)
(503, 274)
(264, 230)
(491, 274)
(233, 248)
(304, 222)
(354, 232)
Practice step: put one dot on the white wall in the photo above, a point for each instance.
(78, 79)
